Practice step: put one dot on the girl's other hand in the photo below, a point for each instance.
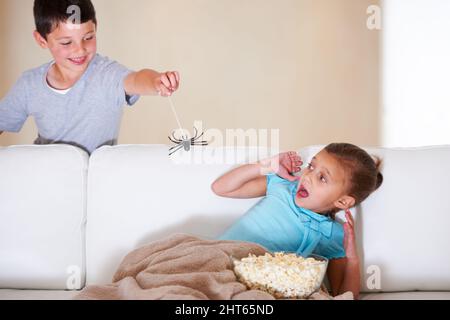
(349, 236)
(167, 83)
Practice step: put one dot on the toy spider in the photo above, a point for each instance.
(185, 142)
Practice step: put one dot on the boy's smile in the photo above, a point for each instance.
(72, 47)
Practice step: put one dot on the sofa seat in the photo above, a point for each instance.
(411, 295)
(9, 294)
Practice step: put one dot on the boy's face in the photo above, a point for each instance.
(72, 46)
(325, 182)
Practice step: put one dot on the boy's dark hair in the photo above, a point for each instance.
(363, 169)
(49, 13)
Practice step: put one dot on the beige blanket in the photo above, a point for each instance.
(184, 267)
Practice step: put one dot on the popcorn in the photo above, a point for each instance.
(284, 275)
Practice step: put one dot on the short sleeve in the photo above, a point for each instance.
(13, 108)
(273, 179)
(333, 248)
(114, 77)
(275, 183)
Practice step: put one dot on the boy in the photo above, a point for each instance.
(76, 99)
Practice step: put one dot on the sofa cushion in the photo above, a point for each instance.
(42, 211)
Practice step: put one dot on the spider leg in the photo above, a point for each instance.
(175, 149)
(173, 134)
(195, 133)
(196, 138)
(199, 143)
(175, 140)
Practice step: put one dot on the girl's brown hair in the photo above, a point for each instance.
(362, 168)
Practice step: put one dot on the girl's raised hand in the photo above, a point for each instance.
(349, 236)
(288, 164)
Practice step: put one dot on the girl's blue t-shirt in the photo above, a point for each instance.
(279, 224)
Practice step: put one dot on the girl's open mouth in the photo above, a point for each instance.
(302, 192)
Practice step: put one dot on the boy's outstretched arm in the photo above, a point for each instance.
(150, 82)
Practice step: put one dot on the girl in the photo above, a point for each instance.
(297, 213)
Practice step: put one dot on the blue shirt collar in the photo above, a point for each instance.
(318, 222)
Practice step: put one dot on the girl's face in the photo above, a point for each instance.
(72, 46)
(323, 185)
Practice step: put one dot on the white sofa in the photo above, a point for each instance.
(67, 220)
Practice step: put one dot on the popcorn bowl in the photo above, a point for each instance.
(283, 275)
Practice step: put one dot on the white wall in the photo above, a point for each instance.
(416, 72)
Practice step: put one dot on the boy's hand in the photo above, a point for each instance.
(167, 83)
(284, 165)
(151, 82)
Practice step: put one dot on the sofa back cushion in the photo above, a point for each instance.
(42, 212)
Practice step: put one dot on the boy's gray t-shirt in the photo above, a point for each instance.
(88, 116)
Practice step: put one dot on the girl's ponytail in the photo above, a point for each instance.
(379, 175)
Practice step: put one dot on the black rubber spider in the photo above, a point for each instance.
(185, 142)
